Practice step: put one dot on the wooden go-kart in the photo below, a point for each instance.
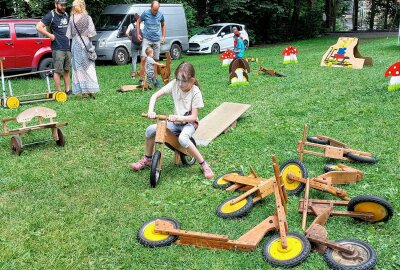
(346, 253)
(255, 188)
(284, 249)
(332, 148)
(165, 137)
(294, 177)
(25, 117)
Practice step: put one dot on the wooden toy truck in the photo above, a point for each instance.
(26, 116)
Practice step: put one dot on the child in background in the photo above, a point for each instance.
(187, 102)
(150, 66)
(239, 47)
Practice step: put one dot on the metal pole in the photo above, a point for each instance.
(48, 83)
(2, 84)
(10, 89)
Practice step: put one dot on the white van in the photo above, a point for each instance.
(112, 44)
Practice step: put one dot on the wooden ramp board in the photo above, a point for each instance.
(218, 121)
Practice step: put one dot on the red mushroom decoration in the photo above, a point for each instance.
(227, 57)
(290, 55)
(394, 72)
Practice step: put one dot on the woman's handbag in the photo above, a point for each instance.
(91, 53)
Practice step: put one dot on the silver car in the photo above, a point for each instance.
(112, 44)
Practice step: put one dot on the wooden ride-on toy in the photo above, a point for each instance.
(332, 148)
(255, 188)
(346, 253)
(165, 137)
(26, 116)
(284, 249)
(294, 177)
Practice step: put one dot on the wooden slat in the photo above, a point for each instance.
(217, 121)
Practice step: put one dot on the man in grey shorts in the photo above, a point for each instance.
(153, 33)
(57, 23)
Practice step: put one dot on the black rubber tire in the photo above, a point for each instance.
(246, 44)
(16, 145)
(359, 158)
(335, 261)
(175, 51)
(61, 138)
(304, 174)
(305, 251)
(162, 243)
(331, 168)
(314, 139)
(226, 185)
(121, 56)
(45, 64)
(188, 160)
(215, 49)
(236, 214)
(155, 174)
(356, 201)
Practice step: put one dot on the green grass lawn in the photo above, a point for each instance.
(79, 207)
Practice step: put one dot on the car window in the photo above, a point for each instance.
(4, 31)
(238, 27)
(26, 31)
(210, 30)
(226, 29)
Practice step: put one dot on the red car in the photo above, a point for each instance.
(23, 47)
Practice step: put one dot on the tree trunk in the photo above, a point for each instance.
(328, 13)
(355, 15)
(372, 15)
(295, 15)
(385, 23)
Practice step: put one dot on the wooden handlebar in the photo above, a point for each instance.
(159, 116)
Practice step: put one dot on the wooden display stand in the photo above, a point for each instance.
(332, 149)
(164, 71)
(220, 120)
(25, 117)
(326, 181)
(238, 72)
(345, 54)
(165, 137)
(12, 102)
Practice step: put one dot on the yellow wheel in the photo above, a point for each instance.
(239, 209)
(296, 168)
(297, 251)
(12, 102)
(60, 96)
(148, 237)
(381, 209)
(220, 182)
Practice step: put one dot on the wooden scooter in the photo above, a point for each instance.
(165, 137)
(332, 148)
(285, 249)
(342, 254)
(341, 174)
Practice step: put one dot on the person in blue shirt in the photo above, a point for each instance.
(153, 33)
(239, 47)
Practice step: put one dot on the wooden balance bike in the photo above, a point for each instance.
(332, 148)
(294, 176)
(255, 188)
(25, 117)
(285, 249)
(346, 253)
(165, 137)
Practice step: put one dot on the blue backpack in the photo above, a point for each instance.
(134, 36)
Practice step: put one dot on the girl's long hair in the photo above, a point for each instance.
(186, 70)
(78, 7)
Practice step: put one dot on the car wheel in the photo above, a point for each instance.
(121, 56)
(215, 48)
(45, 64)
(175, 51)
(246, 44)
